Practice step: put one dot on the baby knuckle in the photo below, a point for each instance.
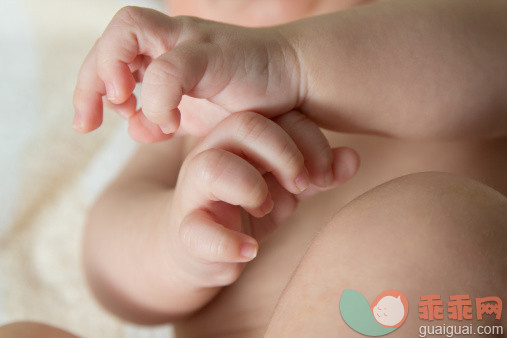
(249, 125)
(292, 156)
(296, 121)
(163, 72)
(189, 22)
(106, 57)
(153, 114)
(194, 28)
(128, 15)
(210, 165)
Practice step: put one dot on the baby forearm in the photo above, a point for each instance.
(423, 69)
(127, 258)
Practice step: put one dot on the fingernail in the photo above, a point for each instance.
(248, 250)
(110, 92)
(302, 181)
(267, 206)
(77, 124)
(167, 128)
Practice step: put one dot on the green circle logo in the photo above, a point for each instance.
(387, 313)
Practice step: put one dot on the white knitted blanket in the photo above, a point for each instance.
(50, 175)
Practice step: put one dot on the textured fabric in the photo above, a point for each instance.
(50, 175)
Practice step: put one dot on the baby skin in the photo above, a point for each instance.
(238, 223)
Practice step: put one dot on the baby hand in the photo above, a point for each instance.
(238, 185)
(229, 68)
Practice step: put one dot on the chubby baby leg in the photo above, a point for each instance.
(32, 329)
(421, 234)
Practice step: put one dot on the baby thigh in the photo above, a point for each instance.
(32, 329)
(421, 234)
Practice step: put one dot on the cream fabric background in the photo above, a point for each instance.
(50, 175)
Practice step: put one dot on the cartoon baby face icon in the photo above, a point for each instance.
(390, 308)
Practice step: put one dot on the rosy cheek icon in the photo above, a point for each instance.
(390, 308)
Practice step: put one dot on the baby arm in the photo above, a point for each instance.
(433, 69)
(158, 248)
(424, 69)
